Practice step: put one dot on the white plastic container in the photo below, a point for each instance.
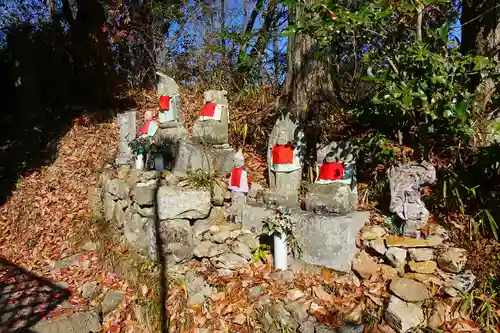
(280, 252)
(139, 162)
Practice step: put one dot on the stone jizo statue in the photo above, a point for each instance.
(212, 126)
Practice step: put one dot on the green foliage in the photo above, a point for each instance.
(140, 145)
(201, 179)
(483, 304)
(281, 224)
(260, 253)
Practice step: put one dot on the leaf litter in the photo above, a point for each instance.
(48, 211)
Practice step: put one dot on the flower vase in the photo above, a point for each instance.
(280, 252)
(139, 162)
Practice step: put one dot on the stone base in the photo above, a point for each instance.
(189, 156)
(211, 131)
(290, 200)
(336, 198)
(328, 241)
(169, 135)
(123, 159)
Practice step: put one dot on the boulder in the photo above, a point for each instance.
(403, 316)
(424, 267)
(453, 260)
(112, 300)
(118, 188)
(79, 322)
(136, 230)
(396, 256)
(228, 261)
(144, 193)
(407, 242)
(177, 238)
(90, 290)
(365, 265)
(179, 202)
(409, 290)
(422, 254)
(372, 232)
(377, 246)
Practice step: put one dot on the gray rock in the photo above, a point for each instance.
(79, 322)
(241, 249)
(402, 316)
(298, 311)
(190, 157)
(146, 176)
(90, 290)
(283, 276)
(422, 254)
(409, 290)
(453, 260)
(463, 282)
(221, 236)
(345, 329)
(118, 188)
(200, 228)
(372, 232)
(228, 261)
(198, 290)
(250, 240)
(104, 177)
(396, 256)
(218, 192)
(378, 246)
(179, 202)
(328, 241)
(144, 211)
(111, 301)
(144, 193)
(136, 230)
(306, 327)
(365, 265)
(177, 239)
(253, 215)
(108, 207)
(336, 198)
(255, 190)
(209, 250)
(69, 261)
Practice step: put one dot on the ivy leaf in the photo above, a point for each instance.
(443, 32)
(461, 109)
(438, 79)
(407, 100)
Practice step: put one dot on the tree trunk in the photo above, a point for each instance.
(481, 35)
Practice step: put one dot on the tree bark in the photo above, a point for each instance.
(481, 36)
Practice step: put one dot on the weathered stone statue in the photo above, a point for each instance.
(285, 161)
(126, 127)
(335, 187)
(238, 182)
(169, 116)
(212, 126)
(405, 182)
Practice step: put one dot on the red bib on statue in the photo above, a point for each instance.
(331, 171)
(283, 154)
(208, 109)
(236, 177)
(165, 103)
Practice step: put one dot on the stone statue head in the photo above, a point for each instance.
(217, 96)
(148, 115)
(239, 159)
(282, 138)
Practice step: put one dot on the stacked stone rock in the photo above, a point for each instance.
(413, 266)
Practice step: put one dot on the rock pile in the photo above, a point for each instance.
(417, 269)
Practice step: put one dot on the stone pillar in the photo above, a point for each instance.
(127, 128)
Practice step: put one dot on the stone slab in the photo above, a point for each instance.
(331, 198)
(182, 203)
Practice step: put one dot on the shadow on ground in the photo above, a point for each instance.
(26, 299)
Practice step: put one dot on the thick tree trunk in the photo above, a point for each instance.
(481, 35)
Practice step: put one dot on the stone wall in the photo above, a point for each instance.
(141, 205)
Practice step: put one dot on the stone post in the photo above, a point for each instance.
(127, 128)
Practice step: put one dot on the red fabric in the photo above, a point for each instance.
(283, 154)
(236, 177)
(164, 103)
(208, 109)
(331, 171)
(144, 129)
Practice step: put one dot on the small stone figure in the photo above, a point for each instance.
(169, 117)
(334, 190)
(405, 182)
(150, 125)
(238, 182)
(212, 126)
(285, 163)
